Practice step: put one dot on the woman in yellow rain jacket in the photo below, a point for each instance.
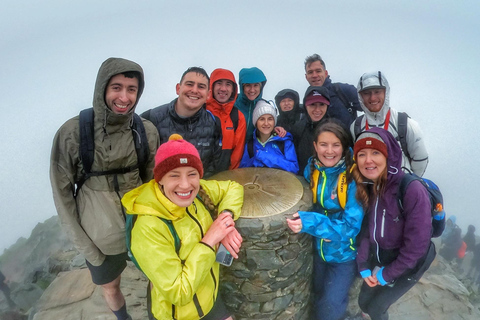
(184, 285)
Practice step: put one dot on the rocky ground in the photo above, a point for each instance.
(49, 281)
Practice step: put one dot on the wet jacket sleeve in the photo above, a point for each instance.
(63, 174)
(152, 243)
(363, 252)
(227, 195)
(345, 228)
(416, 148)
(240, 134)
(417, 232)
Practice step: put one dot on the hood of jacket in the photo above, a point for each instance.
(148, 199)
(251, 75)
(296, 101)
(369, 80)
(108, 69)
(394, 159)
(220, 74)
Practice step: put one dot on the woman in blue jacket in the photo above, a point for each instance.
(334, 220)
(266, 148)
(251, 81)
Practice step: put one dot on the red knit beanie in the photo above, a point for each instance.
(370, 140)
(175, 153)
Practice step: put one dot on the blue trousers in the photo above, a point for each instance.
(331, 283)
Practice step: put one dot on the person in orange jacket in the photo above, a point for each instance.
(220, 102)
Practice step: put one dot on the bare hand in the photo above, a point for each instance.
(371, 281)
(233, 242)
(280, 132)
(295, 224)
(222, 226)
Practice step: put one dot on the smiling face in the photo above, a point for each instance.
(316, 74)
(373, 99)
(371, 163)
(181, 185)
(121, 94)
(286, 104)
(192, 94)
(316, 111)
(252, 90)
(265, 125)
(222, 90)
(328, 148)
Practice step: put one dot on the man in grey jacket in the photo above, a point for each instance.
(374, 96)
(89, 207)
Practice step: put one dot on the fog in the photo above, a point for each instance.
(51, 52)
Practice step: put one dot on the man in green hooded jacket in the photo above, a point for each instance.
(91, 213)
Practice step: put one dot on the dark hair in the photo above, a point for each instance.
(345, 139)
(311, 59)
(132, 74)
(198, 70)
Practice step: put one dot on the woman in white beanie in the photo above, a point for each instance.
(267, 149)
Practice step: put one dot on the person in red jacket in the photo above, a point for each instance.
(221, 98)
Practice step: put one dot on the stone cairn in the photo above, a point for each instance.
(271, 279)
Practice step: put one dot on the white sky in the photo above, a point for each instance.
(51, 51)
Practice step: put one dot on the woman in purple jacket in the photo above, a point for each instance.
(395, 250)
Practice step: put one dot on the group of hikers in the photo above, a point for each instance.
(456, 249)
(109, 165)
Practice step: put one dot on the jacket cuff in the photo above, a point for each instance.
(207, 246)
(439, 216)
(366, 273)
(380, 278)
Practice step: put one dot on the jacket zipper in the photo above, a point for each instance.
(383, 223)
(375, 231)
(324, 181)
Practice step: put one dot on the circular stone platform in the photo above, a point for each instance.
(272, 277)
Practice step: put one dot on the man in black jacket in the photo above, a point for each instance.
(187, 116)
(343, 97)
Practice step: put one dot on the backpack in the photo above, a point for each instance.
(436, 201)
(87, 149)
(234, 117)
(130, 221)
(341, 187)
(401, 130)
(346, 102)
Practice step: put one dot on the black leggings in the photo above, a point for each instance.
(376, 300)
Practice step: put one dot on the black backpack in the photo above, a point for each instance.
(401, 130)
(87, 149)
(436, 201)
(346, 102)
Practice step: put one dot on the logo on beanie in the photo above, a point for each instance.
(315, 93)
(183, 160)
(368, 142)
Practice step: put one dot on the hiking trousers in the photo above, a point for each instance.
(331, 283)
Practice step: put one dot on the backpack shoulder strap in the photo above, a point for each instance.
(87, 145)
(402, 132)
(314, 184)
(342, 189)
(281, 146)
(170, 226)
(402, 188)
(357, 127)
(346, 102)
(250, 148)
(141, 145)
(234, 117)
